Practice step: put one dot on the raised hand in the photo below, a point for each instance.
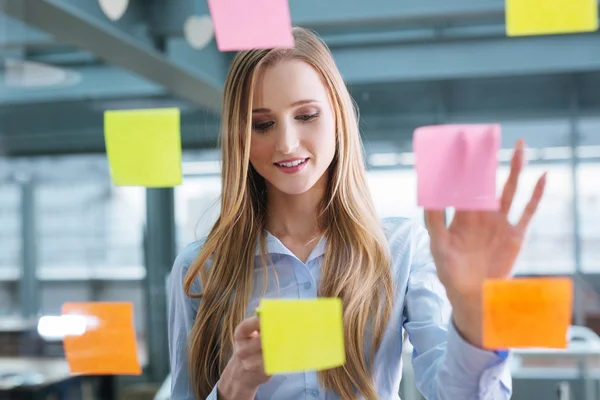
(480, 245)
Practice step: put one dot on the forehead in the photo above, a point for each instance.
(286, 82)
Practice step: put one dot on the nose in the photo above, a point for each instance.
(287, 140)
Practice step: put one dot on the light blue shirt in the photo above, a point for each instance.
(445, 366)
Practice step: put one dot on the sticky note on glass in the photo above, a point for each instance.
(527, 312)
(100, 339)
(301, 335)
(546, 17)
(456, 166)
(144, 147)
(247, 25)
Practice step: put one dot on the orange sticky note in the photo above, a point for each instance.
(101, 339)
(527, 312)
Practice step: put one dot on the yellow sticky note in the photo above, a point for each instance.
(527, 312)
(144, 147)
(547, 17)
(301, 335)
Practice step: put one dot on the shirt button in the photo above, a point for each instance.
(307, 285)
(313, 392)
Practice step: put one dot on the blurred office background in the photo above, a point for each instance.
(67, 234)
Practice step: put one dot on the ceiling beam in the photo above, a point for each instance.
(342, 14)
(79, 141)
(83, 83)
(77, 26)
(469, 58)
(14, 33)
(318, 14)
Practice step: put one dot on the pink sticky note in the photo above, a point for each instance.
(456, 166)
(246, 25)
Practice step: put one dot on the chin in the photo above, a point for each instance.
(293, 190)
(293, 187)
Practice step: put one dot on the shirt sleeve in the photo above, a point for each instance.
(182, 313)
(445, 365)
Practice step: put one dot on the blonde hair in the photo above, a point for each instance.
(356, 267)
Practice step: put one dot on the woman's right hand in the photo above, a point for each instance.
(245, 371)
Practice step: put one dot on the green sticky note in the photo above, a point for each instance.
(547, 17)
(301, 335)
(144, 147)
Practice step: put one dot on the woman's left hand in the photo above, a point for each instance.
(479, 245)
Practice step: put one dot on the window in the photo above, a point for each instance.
(196, 207)
(549, 245)
(89, 227)
(10, 230)
(394, 193)
(588, 180)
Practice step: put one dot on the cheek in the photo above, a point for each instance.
(259, 151)
(324, 141)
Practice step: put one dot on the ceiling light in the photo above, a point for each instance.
(198, 30)
(27, 74)
(114, 9)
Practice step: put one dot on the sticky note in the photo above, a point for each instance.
(247, 25)
(144, 147)
(107, 344)
(527, 312)
(456, 166)
(545, 17)
(301, 335)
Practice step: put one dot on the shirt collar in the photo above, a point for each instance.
(274, 246)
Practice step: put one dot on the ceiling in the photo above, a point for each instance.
(406, 63)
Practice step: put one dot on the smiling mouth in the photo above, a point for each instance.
(291, 164)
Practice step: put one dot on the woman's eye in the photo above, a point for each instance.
(307, 117)
(263, 126)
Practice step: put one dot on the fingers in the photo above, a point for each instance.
(532, 205)
(436, 223)
(246, 328)
(510, 187)
(249, 348)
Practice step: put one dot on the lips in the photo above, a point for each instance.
(291, 166)
(291, 163)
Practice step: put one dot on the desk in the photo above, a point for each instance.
(27, 373)
(38, 379)
(18, 337)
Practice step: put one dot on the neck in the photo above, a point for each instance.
(295, 215)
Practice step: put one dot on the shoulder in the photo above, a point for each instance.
(408, 242)
(401, 231)
(185, 258)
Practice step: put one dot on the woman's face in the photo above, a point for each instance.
(293, 127)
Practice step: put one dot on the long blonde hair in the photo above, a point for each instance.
(356, 267)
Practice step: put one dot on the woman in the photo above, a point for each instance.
(297, 221)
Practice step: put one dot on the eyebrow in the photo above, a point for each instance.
(294, 104)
